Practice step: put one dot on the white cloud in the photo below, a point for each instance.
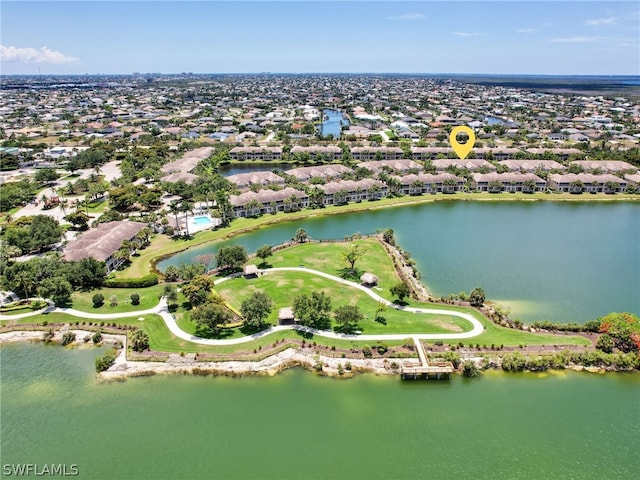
(33, 55)
(527, 30)
(601, 21)
(574, 39)
(407, 17)
(467, 34)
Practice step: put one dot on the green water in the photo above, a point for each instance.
(559, 261)
(298, 425)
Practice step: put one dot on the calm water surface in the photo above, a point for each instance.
(297, 425)
(559, 261)
(332, 124)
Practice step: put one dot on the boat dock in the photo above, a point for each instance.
(426, 370)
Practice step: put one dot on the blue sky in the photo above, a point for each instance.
(502, 37)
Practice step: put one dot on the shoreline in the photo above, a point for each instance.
(187, 364)
(268, 220)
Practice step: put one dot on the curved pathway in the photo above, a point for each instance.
(163, 310)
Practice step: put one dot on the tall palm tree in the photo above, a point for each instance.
(224, 206)
(174, 208)
(186, 207)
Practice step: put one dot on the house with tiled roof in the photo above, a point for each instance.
(508, 182)
(587, 182)
(268, 201)
(102, 242)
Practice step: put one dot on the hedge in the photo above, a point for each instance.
(146, 281)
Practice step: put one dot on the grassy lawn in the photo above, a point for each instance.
(149, 298)
(162, 340)
(327, 257)
(496, 335)
(98, 207)
(283, 286)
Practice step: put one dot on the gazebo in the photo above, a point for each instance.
(285, 316)
(369, 279)
(250, 271)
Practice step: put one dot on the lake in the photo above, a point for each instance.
(332, 124)
(298, 425)
(559, 261)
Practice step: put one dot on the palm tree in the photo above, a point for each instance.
(416, 187)
(63, 205)
(122, 255)
(294, 202)
(146, 233)
(26, 281)
(373, 191)
(127, 245)
(186, 207)
(174, 208)
(316, 197)
(252, 206)
(224, 206)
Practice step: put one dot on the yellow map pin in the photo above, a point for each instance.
(462, 149)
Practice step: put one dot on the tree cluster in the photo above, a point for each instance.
(32, 234)
(231, 257)
(51, 277)
(255, 309)
(313, 310)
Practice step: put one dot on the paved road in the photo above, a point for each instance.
(162, 310)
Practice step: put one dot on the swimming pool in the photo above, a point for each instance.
(201, 221)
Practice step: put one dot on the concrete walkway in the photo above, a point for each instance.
(163, 310)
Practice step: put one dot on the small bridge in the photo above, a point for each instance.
(426, 370)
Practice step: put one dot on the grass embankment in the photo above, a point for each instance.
(149, 298)
(162, 340)
(163, 246)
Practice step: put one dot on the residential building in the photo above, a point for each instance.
(417, 184)
(244, 180)
(399, 166)
(532, 165)
(265, 154)
(363, 154)
(327, 153)
(268, 201)
(103, 242)
(561, 153)
(347, 191)
(508, 182)
(606, 166)
(587, 182)
(470, 164)
(325, 172)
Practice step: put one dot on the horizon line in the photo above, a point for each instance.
(328, 73)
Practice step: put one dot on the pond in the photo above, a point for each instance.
(558, 261)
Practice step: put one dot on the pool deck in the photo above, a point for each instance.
(195, 227)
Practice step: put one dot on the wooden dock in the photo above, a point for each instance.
(426, 370)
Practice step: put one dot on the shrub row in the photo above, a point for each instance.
(515, 361)
(590, 326)
(146, 281)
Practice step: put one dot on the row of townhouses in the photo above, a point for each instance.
(339, 192)
(334, 153)
(329, 172)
